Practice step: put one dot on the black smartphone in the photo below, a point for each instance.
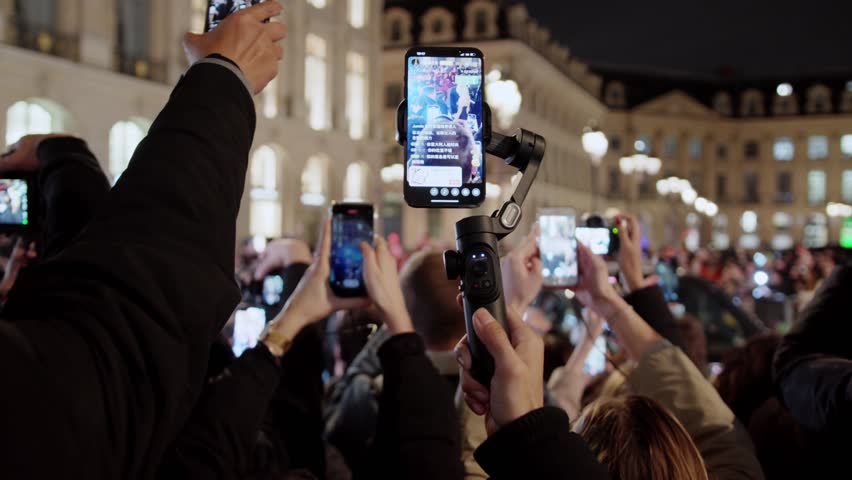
(218, 10)
(17, 202)
(351, 224)
(445, 153)
(600, 240)
(558, 247)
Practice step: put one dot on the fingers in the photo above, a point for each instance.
(385, 259)
(493, 336)
(276, 31)
(351, 303)
(518, 330)
(476, 396)
(629, 228)
(462, 352)
(264, 11)
(529, 246)
(371, 264)
(324, 245)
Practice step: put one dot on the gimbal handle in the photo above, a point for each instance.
(477, 258)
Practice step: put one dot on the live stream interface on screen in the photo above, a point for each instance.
(14, 207)
(445, 125)
(347, 259)
(220, 9)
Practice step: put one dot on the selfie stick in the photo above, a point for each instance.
(477, 260)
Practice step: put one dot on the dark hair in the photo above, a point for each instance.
(694, 340)
(557, 351)
(431, 300)
(638, 439)
(746, 381)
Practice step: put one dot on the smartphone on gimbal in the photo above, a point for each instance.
(218, 10)
(351, 224)
(445, 150)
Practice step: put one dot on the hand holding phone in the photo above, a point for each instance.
(558, 247)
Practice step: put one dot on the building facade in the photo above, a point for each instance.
(102, 69)
(770, 153)
(531, 82)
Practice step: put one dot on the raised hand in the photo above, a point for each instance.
(382, 280)
(246, 40)
(517, 385)
(522, 277)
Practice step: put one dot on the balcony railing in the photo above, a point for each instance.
(43, 40)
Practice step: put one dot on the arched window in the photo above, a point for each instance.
(785, 105)
(265, 213)
(437, 26)
(481, 19)
(315, 181)
(124, 137)
(752, 103)
(36, 24)
(397, 26)
(133, 37)
(33, 116)
(614, 96)
(722, 103)
(819, 99)
(355, 183)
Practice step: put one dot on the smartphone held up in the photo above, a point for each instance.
(558, 247)
(218, 10)
(445, 150)
(351, 225)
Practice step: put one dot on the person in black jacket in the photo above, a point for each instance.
(103, 347)
(813, 372)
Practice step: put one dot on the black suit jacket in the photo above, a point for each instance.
(103, 347)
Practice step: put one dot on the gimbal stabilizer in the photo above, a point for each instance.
(477, 260)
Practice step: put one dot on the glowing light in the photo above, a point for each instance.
(761, 278)
(784, 90)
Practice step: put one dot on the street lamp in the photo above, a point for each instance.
(596, 145)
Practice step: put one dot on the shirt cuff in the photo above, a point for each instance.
(227, 63)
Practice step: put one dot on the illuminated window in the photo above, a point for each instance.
(356, 95)
(270, 99)
(198, 16)
(846, 186)
(354, 185)
(782, 220)
(748, 221)
(316, 83)
(846, 145)
(357, 13)
(315, 181)
(784, 150)
(817, 147)
(124, 137)
(29, 117)
(265, 213)
(318, 3)
(816, 187)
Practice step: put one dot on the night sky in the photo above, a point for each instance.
(745, 38)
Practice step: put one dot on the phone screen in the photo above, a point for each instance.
(596, 361)
(445, 154)
(248, 325)
(273, 288)
(218, 10)
(14, 202)
(558, 247)
(351, 225)
(597, 239)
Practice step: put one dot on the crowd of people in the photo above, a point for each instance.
(116, 337)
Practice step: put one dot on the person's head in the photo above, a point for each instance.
(431, 300)
(636, 438)
(695, 341)
(746, 381)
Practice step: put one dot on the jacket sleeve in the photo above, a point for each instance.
(813, 364)
(417, 433)
(129, 310)
(220, 437)
(71, 186)
(668, 376)
(651, 305)
(539, 445)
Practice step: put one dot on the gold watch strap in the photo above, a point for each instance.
(277, 343)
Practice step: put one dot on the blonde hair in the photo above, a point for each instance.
(638, 439)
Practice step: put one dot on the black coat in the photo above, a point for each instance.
(103, 347)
